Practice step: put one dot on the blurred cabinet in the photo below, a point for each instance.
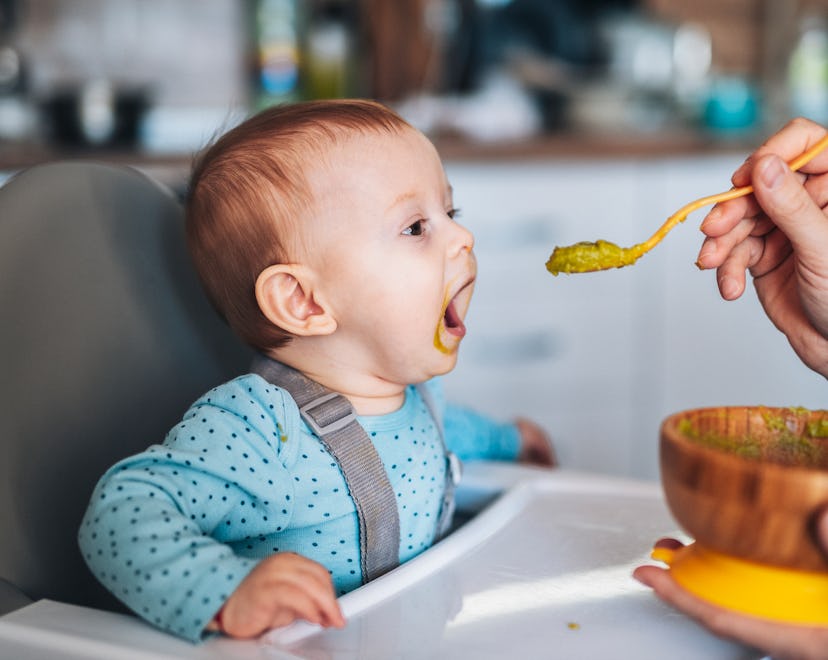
(558, 350)
(600, 359)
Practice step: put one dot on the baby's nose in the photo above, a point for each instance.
(463, 239)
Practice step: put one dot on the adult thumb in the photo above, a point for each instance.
(787, 203)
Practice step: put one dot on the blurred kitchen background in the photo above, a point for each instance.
(559, 121)
(157, 76)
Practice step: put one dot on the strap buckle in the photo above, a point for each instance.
(455, 468)
(327, 413)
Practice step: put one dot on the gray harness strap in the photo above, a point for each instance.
(333, 420)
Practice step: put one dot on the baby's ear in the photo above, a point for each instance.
(286, 296)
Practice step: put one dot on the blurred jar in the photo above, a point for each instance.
(95, 114)
(276, 30)
(808, 70)
(328, 59)
(733, 105)
(17, 120)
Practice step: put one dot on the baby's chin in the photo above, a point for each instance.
(444, 364)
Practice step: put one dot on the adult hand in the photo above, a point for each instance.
(281, 589)
(779, 640)
(780, 235)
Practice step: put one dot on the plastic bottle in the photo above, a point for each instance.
(808, 70)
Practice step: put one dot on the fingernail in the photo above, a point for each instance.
(711, 217)
(729, 287)
(703, 255)
(706, 251)
(773, 172)
(741, 169)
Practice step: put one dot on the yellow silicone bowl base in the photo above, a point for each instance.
(770, 592)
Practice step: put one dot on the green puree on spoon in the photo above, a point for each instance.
(585, 257)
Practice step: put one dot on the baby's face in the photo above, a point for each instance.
(397, 269)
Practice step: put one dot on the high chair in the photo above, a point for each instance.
(105, 340)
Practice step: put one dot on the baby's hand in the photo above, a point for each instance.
(535, 445)
(281, 589)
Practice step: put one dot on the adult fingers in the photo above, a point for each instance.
(787, 202)
(670, 543)
(723, 217)
(817, 187)
(730, 275)
(714, 251)
(796, 137)
(758, 254)
(779, 640)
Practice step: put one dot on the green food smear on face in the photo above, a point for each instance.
(585, 257)
(438, 343)
(792, 438)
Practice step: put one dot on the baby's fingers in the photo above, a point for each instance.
(324, 607)
(280, 607)
(317, 603)
(316, 607)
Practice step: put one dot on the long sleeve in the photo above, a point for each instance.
(472, 435)
(164, 528)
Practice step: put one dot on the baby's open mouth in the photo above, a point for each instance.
(451, 329)
(452, 321)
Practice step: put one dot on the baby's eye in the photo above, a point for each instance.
(453, 213)
(415, 229)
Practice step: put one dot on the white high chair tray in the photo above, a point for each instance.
(542, 571)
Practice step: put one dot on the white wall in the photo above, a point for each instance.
(600, 359)
(190, 53)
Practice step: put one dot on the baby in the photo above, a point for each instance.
(325, 234)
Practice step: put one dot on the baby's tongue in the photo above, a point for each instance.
(453, 322)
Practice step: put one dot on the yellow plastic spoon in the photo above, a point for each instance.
(585, 257)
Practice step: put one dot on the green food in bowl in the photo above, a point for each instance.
(793, 436)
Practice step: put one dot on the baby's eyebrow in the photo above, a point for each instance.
(404, 197)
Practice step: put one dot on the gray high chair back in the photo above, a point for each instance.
(105, 339)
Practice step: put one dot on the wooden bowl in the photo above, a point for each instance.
(749, 481)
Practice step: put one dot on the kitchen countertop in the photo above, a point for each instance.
(167, 168)
(593, 145)
(581, 145)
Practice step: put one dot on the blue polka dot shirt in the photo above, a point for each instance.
(172, 531)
